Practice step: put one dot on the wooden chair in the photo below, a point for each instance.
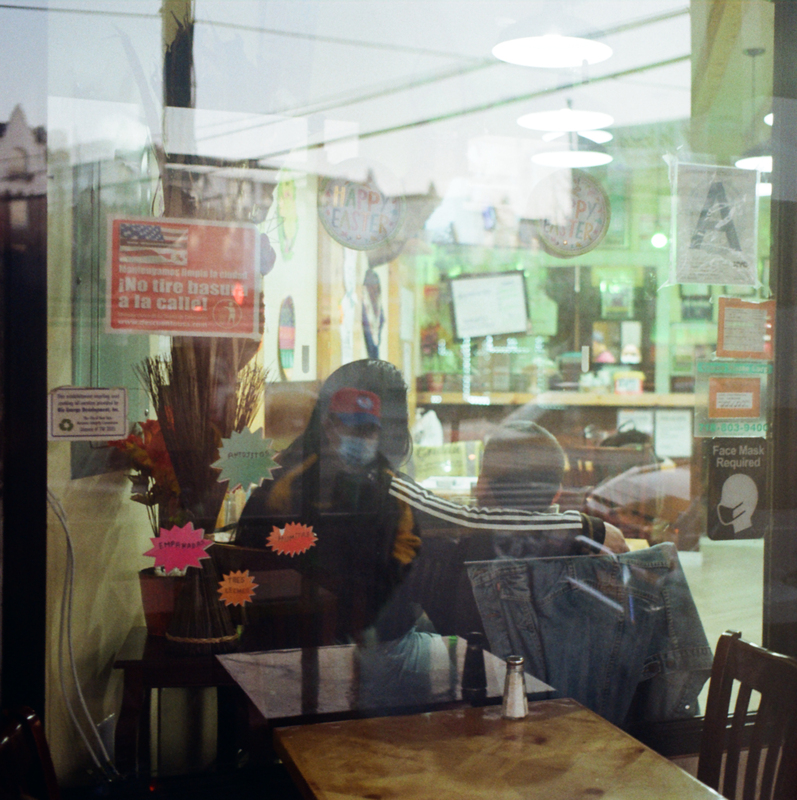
(770, 772)
(26, 768)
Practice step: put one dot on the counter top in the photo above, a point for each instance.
(555, 399)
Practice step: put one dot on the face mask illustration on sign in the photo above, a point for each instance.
(738, 502)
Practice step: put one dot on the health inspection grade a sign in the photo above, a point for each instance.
(182, 277)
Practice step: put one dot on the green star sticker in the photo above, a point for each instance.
(245, 458)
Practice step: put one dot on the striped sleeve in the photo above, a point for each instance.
(493, 519)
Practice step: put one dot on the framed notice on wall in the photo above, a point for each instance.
(489, 304)
(183, 278)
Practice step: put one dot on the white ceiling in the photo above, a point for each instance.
(410, 85)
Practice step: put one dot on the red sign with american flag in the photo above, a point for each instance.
(183, 277)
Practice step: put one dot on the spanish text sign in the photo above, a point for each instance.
(182, 277)
(716, 233)
(736, 488)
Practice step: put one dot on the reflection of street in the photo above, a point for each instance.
(227, 314)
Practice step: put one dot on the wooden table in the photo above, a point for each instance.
(561, 751)
(147, 665)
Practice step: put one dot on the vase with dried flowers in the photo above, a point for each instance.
(155, 485)
(201, 392)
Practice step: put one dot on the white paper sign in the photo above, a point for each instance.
(673, 437)
(716, 225)
(87, 414)
(640, 419)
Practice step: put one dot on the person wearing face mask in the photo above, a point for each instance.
(336, 478)
(342, 477)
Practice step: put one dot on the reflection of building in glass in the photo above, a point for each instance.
(23, 173)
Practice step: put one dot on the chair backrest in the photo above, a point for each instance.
(770, 772)
(26, 768)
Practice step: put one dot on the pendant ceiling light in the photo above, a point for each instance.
(565, 119)
(759, 157)
(601, 137)
(554, 41)
(577, 152)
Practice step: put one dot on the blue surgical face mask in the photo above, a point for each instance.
(357, 452)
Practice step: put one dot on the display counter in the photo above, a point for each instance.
(557, 399)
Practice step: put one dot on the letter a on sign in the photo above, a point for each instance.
(716, 219)
(716, 215)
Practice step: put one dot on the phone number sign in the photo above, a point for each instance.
(732, 398)
(182, 278)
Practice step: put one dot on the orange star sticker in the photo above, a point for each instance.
(237, 588)
(292, 539)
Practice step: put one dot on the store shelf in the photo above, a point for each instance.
(559, 399)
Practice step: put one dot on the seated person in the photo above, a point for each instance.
(340, 477)
(523, 467)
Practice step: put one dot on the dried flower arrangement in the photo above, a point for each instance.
(202, 392)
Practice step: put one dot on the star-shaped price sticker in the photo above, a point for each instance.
(245, 458)
(237, 588)
(179, 548)
(291, 540)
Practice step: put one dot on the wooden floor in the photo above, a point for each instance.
(727, 583)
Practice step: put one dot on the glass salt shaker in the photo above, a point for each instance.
(515, 705)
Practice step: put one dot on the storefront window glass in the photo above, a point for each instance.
(246, 200)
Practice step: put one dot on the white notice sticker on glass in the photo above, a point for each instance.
(673, 437)
(735, 400)
(745, 329)
(87, 414)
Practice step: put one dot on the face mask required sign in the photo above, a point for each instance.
(732, 398)
(736, 487)
(182, 277)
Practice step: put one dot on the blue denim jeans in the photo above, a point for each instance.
(599, 627)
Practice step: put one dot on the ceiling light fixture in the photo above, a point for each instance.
(551, 43)
(758, 157)
(580, 153)
(565, 119)
(601, 137)
(769, 119)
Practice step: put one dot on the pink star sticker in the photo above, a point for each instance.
(179, 548)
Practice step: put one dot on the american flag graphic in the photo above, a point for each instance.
(146, 243)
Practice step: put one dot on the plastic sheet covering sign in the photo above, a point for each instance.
(732, 398)
(737, 470)
(182, 277)
(716, 225)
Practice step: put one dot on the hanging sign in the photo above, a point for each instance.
(585, 226)
(358, 215)
(183, 278)
(716, 225)
(745, 328)
(732, 398)
(736, 487)
(87, 414)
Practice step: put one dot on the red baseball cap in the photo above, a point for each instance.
(356, 407)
